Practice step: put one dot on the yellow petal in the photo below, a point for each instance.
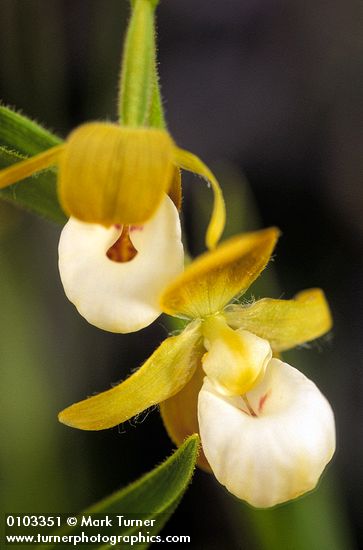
(236, 359)
(115, 175)
(192, 163)
(284, 323)
(214, 278)
(27, 167)
(168, 369)
(180, 413)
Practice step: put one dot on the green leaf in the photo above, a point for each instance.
(21, 134)
(37, 194)
(20, 137)
(154, 496)
(137, 80)
(156, 113)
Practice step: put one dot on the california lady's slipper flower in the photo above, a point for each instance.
(122, 244)
(114, 183)
(265, 428)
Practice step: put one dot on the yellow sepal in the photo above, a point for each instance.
(213, 279)
(284, 323)
(30, 166)
(168, 369)
(192, 163)
(180, 414)
(111, 174)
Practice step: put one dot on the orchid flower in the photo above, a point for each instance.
(266, 430)
(122, 244)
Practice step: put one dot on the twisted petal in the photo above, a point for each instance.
(276, 455)
(175, 191)
(180, 413)
(191, 162)
(168, 369)
(120, 296)
(30, 166)
(284, 323)
(235, 359)
(115, 175)
(214, 278)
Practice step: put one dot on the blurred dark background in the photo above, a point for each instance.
(268, 92)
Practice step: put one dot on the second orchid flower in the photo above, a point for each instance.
(267, 432)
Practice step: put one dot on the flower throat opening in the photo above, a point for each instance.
(255, 411)
(122, 250)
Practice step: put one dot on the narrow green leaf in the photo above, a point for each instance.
(156, 116)
(154, 496)
(21, 134)
(37, 194)
(156, 113)
(136, 84)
